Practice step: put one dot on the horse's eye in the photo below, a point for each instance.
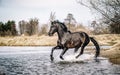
(52, 26)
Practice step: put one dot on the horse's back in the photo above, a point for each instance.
(73, 40)
(80, 35)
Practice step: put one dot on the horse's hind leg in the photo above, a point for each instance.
(63, 52)
(81, 52)
(82, 48)
(76, 49)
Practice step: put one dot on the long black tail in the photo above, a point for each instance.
(96, 45)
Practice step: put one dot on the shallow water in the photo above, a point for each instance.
(36, 61)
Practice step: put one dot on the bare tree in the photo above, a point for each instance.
(33, 26)
(43, 29)
(52, 16)
(29, 28)
(22, 26)
(70, 20)
(108, 9)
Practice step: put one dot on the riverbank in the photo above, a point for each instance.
(28, 41)
(113, 54)
(104, 39)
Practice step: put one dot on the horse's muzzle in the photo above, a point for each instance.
(50, 34)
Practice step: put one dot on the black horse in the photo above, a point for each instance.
(67, 39)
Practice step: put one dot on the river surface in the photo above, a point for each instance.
(36, 61)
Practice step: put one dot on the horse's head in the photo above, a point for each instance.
(57, 26)
(53, 28)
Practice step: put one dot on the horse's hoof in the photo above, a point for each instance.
(51, 58)
(61, 58)
(96, 60)
(77, 56)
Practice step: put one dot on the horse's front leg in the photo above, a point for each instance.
(63, 52)
(51, 55)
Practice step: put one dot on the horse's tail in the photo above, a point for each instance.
(96, 45)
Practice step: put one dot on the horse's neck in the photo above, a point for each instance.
(61, 34)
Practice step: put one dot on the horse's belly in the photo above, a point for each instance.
(73, 44)
(70, 46)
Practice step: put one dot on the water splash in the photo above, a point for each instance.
(82, 58)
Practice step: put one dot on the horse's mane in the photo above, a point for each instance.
(63, 26)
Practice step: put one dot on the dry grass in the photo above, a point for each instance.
(28, 41)
(115, 50)
(113, 54)
(105, 39)
(110, 39)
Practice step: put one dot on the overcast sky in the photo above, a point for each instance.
(25, 9)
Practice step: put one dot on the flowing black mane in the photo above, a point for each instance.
(62, 25)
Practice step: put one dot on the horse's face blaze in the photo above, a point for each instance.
(52, 30)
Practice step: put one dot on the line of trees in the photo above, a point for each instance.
(29, 28)
(8, 28)
(108, 9)
(32, 26)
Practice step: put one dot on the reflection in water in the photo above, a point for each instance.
(35, 61)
